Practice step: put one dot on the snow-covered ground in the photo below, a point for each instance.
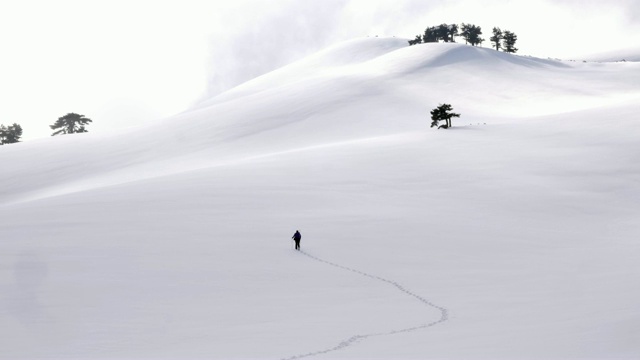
(513, 235)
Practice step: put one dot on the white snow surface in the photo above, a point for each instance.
(513, 235)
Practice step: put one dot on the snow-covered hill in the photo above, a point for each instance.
(512, 235)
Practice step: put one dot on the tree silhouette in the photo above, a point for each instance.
(417, 40)
(10, 134)
(471, 34)
(430, 35)
(442, 113)
(442, 32)
(509, 41)
(70, 124)
(453, 32)
(497, 37)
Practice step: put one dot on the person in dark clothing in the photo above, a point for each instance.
(296, 237)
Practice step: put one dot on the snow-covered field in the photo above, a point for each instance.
(513, 235)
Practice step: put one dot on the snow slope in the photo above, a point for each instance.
(512, 235)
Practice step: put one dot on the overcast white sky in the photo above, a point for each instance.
(125, 62)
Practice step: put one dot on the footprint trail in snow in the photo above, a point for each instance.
(355, 338)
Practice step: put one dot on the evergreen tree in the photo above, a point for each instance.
(474, 38)
(14, 133)
(453, 32)
(3, 134)
(509, 42)
(442, 113)
(465, 30)
(70, 124)
(442, 32)
(496, 38)
(417, 40)
(430, 35)
(10, 134)
(471, 34)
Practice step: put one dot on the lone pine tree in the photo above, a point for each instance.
(70, 124)
(442, 113)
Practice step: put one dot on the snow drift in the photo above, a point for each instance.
(173, 239)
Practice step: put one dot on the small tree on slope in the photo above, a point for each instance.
(510, 41)
(496, 38)
(417, 40)
(442, 113)
(70, 124)
(10, 134)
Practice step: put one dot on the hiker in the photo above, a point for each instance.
(296, 237)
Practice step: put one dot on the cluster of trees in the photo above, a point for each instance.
(10, 134)
(444, 32)
(69, 124)
(448, 32)
(472, 34)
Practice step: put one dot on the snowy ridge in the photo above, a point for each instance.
(355, 338)
(328, 62)
(306, 103)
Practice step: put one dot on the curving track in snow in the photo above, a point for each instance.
(350, 341)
